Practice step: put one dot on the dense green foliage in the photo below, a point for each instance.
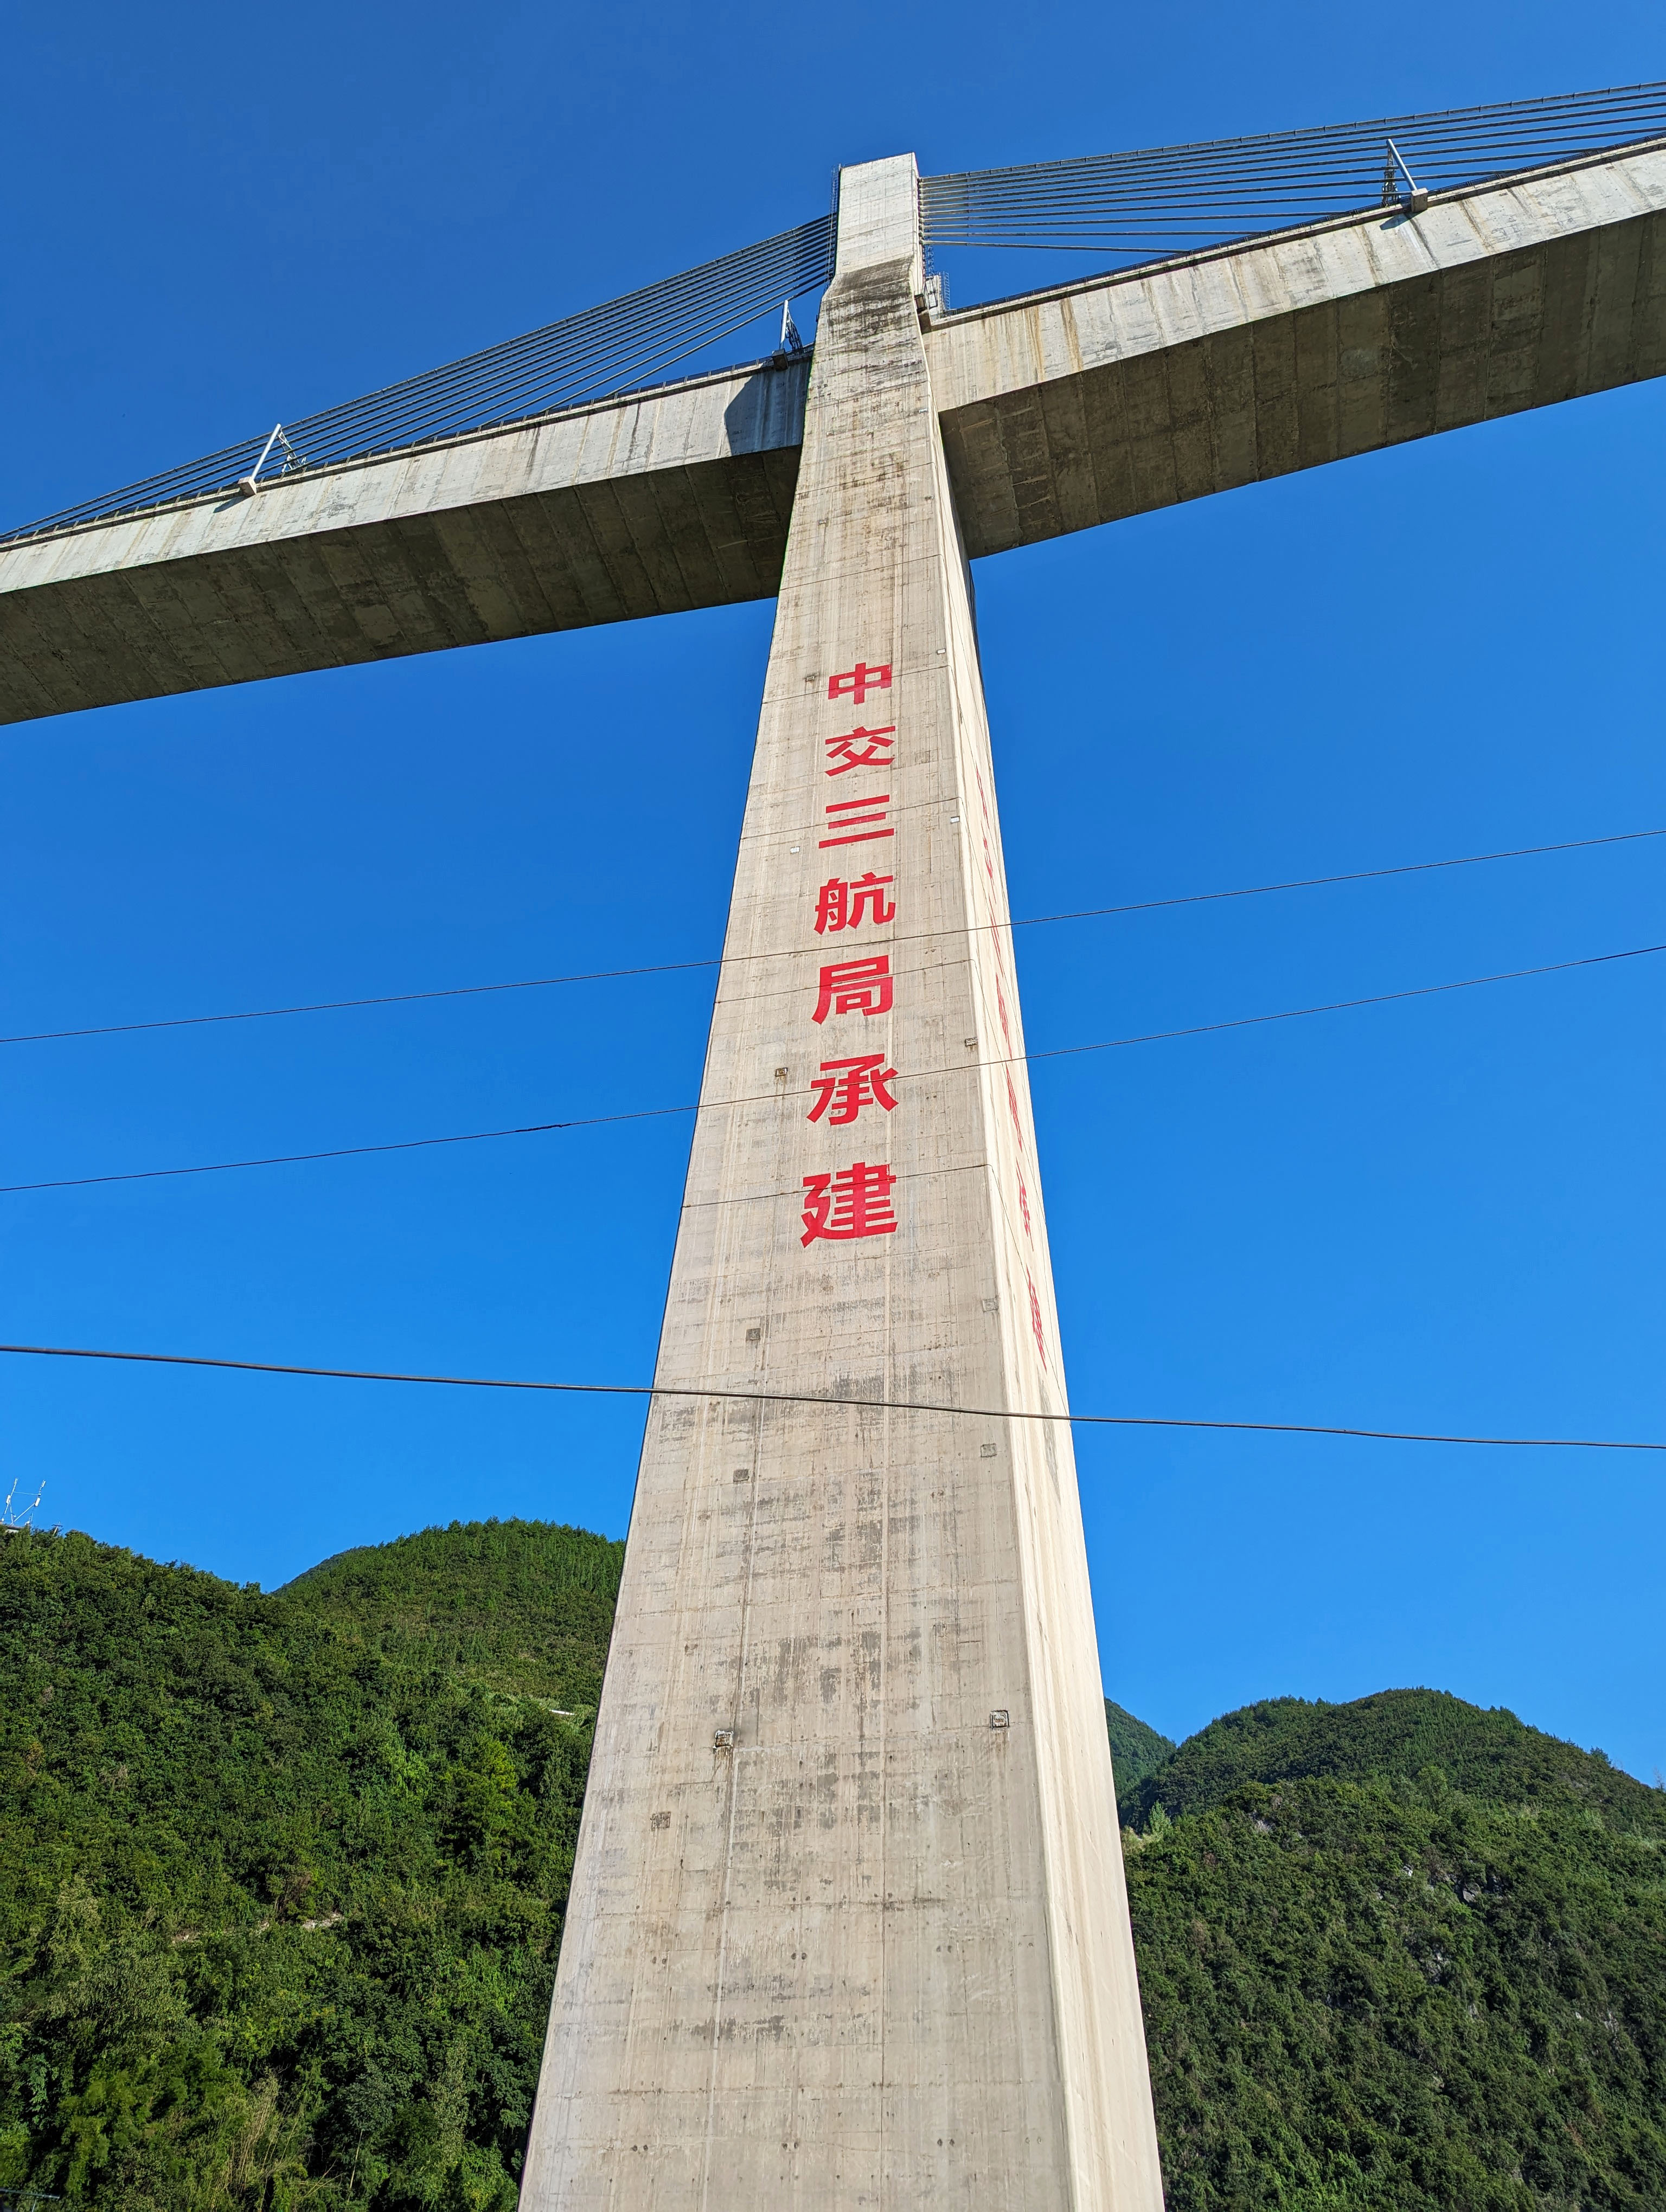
(1398, 1733)
(1135, 1749)
(520, 1605)
(282, 1877)
(1369, 1991)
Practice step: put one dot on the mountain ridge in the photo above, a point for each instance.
(1486, 1751)
(283, 1877)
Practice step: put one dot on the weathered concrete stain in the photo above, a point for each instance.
(876, 1954)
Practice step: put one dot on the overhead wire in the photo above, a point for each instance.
(731, 960)
(820, 1398)
(905, 1075)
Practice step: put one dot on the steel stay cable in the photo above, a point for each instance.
(1116, 198)
(589, 357)
(817, 1398)
(908, 1075)
(651, 327)
(1359, 166)
(907, 937)
(1465, 129)
(1158, 193)
(655, 308)
(632, 313)
(408, 416)
(658, 324)
(1488, 116)
(1445, 167)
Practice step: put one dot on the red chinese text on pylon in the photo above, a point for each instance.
(860, 748)
(847, 816)
(840, 905)
(854, 684)
(854, 1202)
(1036, 1321)
(848, 1086)
(855, 987)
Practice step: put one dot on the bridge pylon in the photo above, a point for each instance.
(848, 1925)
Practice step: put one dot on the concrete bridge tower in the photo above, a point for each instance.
(848, 1925)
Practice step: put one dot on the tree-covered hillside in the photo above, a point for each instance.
(517, 1605)
(1135, 1750)
(1396, 1733)
(282, 1879)
(1368, 1989)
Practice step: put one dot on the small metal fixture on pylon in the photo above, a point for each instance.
(250, 484)
(1415, 197)
(790, 343)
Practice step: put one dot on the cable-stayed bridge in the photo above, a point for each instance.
(848, 1926)
(1281, 301)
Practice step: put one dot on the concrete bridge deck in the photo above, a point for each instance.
(1060, 410)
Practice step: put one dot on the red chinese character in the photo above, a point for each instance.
(856, 1202)
(862, 1082)
(876, 749)
(1000, 1008)
(854, 684)
(1036, 1321)
(1012, 1100)
(842, 904)
(1024, 1205)
(856, 987)
(844, 814)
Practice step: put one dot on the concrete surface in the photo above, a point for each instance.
(651, 505)
(1109, 398)
(848, 1926)
(1062, 410)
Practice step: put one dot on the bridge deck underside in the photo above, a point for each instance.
(1230, 371)
(1058, 411)
(654, 507)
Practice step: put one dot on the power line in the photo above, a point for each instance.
(817, 1398)
(683, 967)
(908, 1075)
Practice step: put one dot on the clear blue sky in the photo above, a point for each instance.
(1445, 1213)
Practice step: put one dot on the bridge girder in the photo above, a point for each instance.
(1060, 410)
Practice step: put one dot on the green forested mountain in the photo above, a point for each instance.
(1399, 1955)
(519, 1607)
(282, 1878)
(1398, 1733)
(1135, 1750)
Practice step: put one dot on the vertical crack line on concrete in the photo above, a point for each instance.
(733, 1764)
